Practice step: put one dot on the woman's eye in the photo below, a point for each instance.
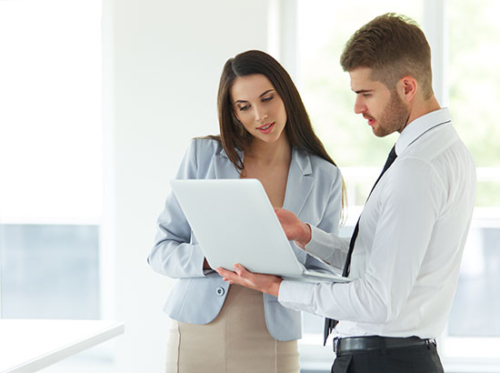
(243, 108)
(266, 99)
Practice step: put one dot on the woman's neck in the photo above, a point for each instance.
(269, 153)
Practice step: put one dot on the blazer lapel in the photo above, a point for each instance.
(300, 182)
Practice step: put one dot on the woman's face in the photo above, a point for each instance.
(258, 107)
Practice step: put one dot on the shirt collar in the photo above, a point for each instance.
(419, 126)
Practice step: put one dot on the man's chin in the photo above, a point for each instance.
(381, 132)
(378, 133)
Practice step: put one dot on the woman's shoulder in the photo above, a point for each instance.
(319, 164)
(206, 145)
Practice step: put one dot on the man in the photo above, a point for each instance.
(405, 254)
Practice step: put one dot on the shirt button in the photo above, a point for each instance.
(220, 291)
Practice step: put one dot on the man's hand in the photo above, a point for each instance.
(295, 229)
(268, 284)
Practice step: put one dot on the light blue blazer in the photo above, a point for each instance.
(313, 193)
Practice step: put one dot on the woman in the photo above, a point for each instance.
(265, 133)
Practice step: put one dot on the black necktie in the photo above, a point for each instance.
(330, 323)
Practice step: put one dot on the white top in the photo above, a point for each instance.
(411, 237)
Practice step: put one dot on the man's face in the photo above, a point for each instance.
(385, 111)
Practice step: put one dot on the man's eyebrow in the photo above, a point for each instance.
(263, 94)
(363, 91)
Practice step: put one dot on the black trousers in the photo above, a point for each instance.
(413, 359)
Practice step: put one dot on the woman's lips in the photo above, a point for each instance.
(266, 128)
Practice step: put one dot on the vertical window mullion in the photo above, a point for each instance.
(435, 26)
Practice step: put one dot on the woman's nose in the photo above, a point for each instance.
(260, 115)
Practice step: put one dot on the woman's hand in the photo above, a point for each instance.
(295, 229)
(268, 284)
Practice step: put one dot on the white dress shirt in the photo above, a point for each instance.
(412, 232)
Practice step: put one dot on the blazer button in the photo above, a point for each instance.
(220, 291)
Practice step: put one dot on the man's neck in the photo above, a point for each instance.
(422, 107)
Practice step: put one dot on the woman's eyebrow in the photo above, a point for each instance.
(263, 94)
(266, 92)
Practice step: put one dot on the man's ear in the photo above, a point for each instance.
(407, 88)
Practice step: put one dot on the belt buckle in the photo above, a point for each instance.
(336, 343)
(430, 342)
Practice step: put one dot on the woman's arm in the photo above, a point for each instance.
(174, 254)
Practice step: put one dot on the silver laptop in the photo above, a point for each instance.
(234, 222)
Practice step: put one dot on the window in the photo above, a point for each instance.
(473, 82)
(471, 56)
(50, 158)
(50, 271)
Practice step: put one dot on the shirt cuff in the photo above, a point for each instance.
(296, 295)
(320, 245)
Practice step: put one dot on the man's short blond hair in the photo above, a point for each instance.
(393, 46)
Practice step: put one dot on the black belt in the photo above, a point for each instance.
(360, 344)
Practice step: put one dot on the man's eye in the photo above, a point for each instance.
(366, 95)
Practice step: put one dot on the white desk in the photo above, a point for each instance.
(30, 345)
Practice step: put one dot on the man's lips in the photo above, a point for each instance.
(371, 120)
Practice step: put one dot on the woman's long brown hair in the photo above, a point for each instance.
(298, 129)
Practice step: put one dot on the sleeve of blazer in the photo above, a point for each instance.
(329, 223)
(173, 254)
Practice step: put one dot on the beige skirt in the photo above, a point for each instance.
(237, 341)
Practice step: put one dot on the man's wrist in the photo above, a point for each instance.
(305, 236)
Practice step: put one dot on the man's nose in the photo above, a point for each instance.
(359, 106)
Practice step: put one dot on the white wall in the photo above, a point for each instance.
(162, 63)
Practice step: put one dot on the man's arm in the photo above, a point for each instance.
(327, 247)
(294, 228)
(386, 273)
(387, 276)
